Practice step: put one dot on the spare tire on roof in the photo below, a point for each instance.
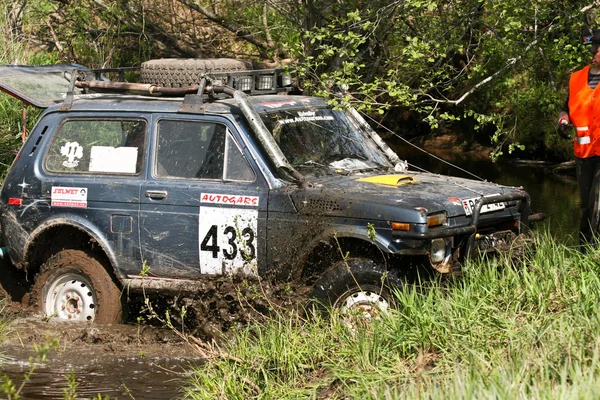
(182, 72)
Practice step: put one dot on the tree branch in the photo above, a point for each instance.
(262, 46)
(511, 62)
(266, 26)
(161, 35)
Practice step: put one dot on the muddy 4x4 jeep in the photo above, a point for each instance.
(224, 174)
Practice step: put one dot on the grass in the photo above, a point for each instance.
(3, 320)
(502, 331)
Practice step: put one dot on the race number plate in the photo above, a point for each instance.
(228, 240)
(469, 205)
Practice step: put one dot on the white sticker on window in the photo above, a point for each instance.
(228, 241)
(111, 159)
(73, 151)
(305, 116)
(68, 197)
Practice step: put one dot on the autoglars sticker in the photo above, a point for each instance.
(228, 240)
(233, 199)
(68, 197)
(73, 152)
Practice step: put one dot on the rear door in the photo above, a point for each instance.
(203, 208)
(90, 176)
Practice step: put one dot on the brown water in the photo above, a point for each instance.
(124, 361)
(107, 374)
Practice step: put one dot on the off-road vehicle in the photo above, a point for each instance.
(194, 175)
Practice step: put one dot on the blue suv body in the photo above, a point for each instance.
(115, 191)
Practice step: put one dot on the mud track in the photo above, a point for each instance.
(227, 304)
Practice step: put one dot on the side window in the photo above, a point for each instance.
(199, 150)
(91, 146)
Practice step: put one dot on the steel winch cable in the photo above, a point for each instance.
(380, 125)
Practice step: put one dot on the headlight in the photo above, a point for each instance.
(437, 219)
(243, 83)
(438, 250)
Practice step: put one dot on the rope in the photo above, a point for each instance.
(424, 151)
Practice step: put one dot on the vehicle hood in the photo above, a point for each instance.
(381, 196)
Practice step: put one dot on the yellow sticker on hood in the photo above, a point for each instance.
(389, 180)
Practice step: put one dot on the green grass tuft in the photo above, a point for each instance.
(529, 329)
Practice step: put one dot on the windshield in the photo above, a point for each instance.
(324, 140)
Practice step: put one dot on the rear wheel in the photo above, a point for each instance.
(74, 286)
(177, 72)
(356, 287)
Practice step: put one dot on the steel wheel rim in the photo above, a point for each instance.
(71, 297)
(367, 304)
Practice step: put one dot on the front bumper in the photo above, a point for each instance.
(472, 241)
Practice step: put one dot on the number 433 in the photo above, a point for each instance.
(241, 242)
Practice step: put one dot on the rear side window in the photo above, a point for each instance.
(199, 150)
(92, 146)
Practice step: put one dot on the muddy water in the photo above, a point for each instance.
(106, 374)
(121, 362)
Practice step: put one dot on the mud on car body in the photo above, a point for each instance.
(250, 181)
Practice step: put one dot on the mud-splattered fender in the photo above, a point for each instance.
(79, 223)
(14, 236)
(354, 232)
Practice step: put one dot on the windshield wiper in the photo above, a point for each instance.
(309, 163)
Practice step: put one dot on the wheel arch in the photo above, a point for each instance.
(333, 245)
(63, 233)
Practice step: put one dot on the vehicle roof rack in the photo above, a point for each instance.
(256, 82)
(251, 82)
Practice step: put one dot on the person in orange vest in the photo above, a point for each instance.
(582, 110)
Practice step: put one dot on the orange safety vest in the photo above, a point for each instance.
(584, 109)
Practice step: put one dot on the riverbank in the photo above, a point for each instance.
(449, 147)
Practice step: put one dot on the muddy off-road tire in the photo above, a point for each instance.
(74, 286)
(181, 72)
(357, 287)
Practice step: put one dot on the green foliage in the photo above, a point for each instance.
(3, 322)
(371, 233)
(502, 330)
(70, 392)
(505, 62)
(432, 61)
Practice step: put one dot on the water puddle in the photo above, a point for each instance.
(114, 361)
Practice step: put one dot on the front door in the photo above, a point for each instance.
(203, 206)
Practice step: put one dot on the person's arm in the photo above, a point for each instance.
(564, 113)
(564, 120)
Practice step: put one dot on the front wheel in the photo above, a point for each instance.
(354, 287)
(74, 286)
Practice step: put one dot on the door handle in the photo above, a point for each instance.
(157, 194)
